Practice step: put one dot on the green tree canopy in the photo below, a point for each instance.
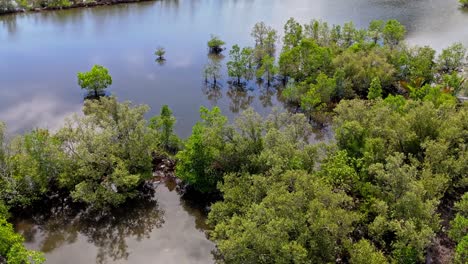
(96, 80)
(109, 152)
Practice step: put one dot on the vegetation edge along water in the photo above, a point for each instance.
(18, 6)
(391, 187)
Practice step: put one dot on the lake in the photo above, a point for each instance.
(41, 54)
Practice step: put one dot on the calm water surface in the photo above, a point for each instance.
(40, 54)
(165, 229)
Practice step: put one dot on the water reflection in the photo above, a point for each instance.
(9, 22)
(62, 225)
(213, 92)
(158, 228)
(266, 94)
(241, 97)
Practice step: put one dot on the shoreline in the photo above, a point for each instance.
(73, 6)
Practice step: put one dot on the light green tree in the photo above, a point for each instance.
(197, 162)
(12, 249)
(240, 64)
(96, 80)
(109, 152)
(267, 69)
(292, 34)
(363, 252)
(452, 58)
(375, 89)
(393, 33)
(375, 30)
(164, 124)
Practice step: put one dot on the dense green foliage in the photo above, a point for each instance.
(241, 64)
(378, 191)
(164, 125)
(373, 199)
(459, 231)
(96, 80)
(11, 244)
(109, 152)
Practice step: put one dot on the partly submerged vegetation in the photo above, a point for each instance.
(387, 189)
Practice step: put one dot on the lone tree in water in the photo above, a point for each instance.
(160, 52)
(96, 80)
(240, 65)
(215, 44)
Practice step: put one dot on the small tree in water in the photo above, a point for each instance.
(241, 64)
(160, 52)
(215, 45)
(96, 80)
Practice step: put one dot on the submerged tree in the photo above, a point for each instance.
(265, 41)
(452, 58)
(96, 80)
(215, 44)
(268, 69)
(160, 52)
(393, 33)
(240, 66)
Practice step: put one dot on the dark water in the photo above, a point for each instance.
(40, 54)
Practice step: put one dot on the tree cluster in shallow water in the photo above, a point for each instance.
(321, 64)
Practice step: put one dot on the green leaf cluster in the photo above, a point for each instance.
(11, 244)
